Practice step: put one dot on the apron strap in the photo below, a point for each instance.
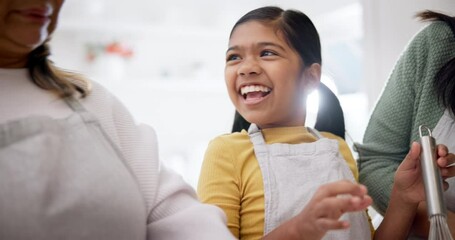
(257, 139)
(74, 104)
(315, 133)
(78, 108)
(255, 134)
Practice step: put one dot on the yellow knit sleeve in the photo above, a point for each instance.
(219, 183)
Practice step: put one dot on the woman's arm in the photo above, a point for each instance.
(407, 193)
(172, 208)
(388, 134)
(407, 101)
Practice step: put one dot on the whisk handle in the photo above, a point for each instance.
(431, 176)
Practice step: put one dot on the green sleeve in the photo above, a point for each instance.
(407, 101)
(387, 137)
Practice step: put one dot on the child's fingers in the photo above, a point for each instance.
(333, 200)
(334, 207)
(326, 224)
(340, 187)
(354, 203)
(365, 202)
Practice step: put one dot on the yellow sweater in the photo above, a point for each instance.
(231, 177)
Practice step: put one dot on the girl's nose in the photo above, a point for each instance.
(249, 67)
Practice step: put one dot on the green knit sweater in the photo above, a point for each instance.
(407, 101)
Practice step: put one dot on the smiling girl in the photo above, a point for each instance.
(279, 179)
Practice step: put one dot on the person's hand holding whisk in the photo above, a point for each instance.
(408, 177)
(408, 192)
(435, 164)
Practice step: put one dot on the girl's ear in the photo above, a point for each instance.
(313, 76)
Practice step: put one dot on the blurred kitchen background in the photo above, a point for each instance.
(165, 59)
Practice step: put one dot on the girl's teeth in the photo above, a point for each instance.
(253, 88)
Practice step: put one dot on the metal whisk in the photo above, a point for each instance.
(437, 210)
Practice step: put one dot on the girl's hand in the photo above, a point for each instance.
(326, 207)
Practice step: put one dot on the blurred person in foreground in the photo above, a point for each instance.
(73, 163)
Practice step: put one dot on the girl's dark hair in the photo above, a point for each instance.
(444, 83)
(47, 76)
(297, 28)
(301, 34)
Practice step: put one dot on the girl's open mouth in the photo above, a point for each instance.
(254, 93)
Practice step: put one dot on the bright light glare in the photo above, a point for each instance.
(312, 104)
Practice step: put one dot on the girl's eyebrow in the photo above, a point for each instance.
(264, 44)
(232, 48)
(261, 44)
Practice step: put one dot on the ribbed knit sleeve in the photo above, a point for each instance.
(407, 101)
(173, 210)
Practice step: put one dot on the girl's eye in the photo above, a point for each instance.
(232, 57)
(266, 53)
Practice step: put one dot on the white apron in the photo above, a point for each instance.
(65, 179)
(293, 172)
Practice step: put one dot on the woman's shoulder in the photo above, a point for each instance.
(100, 101)
(438, 28)
(113, 116)
(98, 94)
(435, 35)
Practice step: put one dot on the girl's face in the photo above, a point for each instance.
(265, 77)
(25, 25)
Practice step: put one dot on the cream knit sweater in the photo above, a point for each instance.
(173, 209)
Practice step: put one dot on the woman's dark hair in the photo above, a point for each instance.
(444, 83)
(47, 76)
(297, 28)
